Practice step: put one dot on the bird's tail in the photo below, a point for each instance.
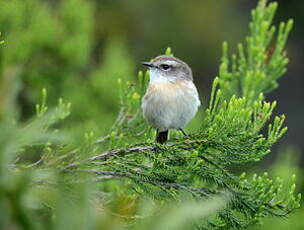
(162, 137)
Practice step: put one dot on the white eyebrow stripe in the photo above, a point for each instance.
(170, 62)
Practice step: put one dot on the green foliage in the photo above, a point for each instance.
(1, 42)
(124, 180)
(286, 166)
(260, 61)
(15, 187)
(53, 46)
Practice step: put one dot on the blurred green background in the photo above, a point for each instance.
(78, 49)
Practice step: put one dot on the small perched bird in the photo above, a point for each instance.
(171, 100)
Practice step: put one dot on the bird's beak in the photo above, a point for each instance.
(148, 64)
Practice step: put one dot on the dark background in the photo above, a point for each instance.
(76, 47)
(290, 94)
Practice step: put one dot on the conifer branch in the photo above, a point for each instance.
(237, 129)
(176, 186)
(231, 134)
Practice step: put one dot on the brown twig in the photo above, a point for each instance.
(186, 145)
(141, 149)
(121, 152)
(118, 175)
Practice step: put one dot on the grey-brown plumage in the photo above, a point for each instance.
(171, 100)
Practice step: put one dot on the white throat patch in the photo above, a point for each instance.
(157, 77)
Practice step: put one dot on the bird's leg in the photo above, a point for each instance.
(162, 137)
(183, 132)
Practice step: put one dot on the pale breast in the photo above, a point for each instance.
(170, 105)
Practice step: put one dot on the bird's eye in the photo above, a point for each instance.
(165, 67)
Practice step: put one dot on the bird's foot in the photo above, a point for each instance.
(183, 132)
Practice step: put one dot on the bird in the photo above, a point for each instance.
(171, 99)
